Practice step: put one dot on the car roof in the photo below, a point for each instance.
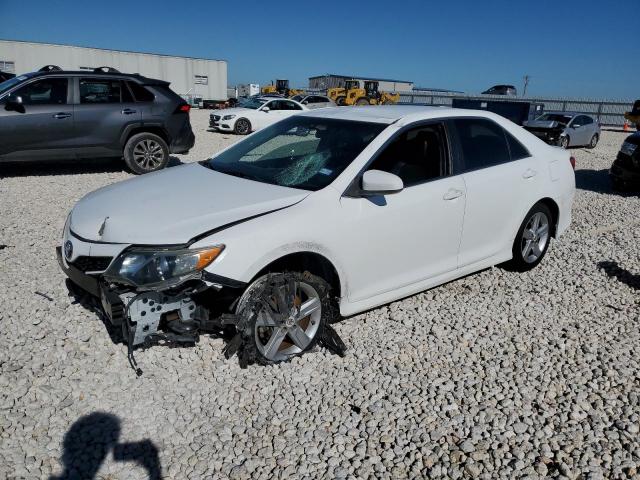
(389, 114)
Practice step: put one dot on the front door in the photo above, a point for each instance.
(41, 127)
(413, 235)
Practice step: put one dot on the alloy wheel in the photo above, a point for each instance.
(148, 154)
(535, 237)
(242, 127)
(288, 321)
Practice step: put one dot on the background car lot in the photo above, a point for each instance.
(497, 373)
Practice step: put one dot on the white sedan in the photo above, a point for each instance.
(254, 114)
(330, 212)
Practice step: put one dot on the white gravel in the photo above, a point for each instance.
(497, 375)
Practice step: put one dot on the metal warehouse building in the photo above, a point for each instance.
(329, 80)
(188, 76)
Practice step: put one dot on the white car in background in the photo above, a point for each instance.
(254, 114)
(314, 101)
(332, 211)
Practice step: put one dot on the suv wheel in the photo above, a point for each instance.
(286, 315)
(146, 152)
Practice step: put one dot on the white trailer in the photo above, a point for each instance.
(248, 90)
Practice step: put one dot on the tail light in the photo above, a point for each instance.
(572, 159)
(183, 108)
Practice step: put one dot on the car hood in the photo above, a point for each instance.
(543, 124)
(175, 205)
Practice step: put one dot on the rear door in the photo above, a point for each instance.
(502, 182)
(104, 108)
(43, 127)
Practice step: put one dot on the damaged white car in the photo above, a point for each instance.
(326, 213)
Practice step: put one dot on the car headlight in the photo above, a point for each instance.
(228, 117)
(628, 148)
(148, 267)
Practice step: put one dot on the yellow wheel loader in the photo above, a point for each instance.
(340, 94)
(370, 95)
(281, 87)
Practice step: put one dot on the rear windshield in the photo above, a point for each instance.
(299, 152)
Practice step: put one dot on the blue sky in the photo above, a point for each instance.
(584, 48)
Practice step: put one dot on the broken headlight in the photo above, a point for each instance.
(148, 267)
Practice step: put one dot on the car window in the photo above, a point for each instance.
(298, 152)
(416, 156)
(127, 97)
(98, 90)
(516, 149)
(287, 105)
(586, 120)
(140, 93)
(577, 121)
(273, 105)
(48, 91)
(482, 142)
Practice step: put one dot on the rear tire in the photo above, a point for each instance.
(594, 141)
(242, 126)
(145, 153)
(276, 329)
(532, 240)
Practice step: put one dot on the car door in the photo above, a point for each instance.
(104, 109)
(502, 182)
(401, 239)
(41, 125)
(578, 132)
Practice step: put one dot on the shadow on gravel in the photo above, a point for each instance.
(69, 167)
(92, 438)
(613, 270)
(598, 181)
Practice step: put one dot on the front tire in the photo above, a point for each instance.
(285, 315)
(242, 126)
(363, 101)
(533, 238)
(564, 142)
(341, 101)
(594, 141)
(145, 153)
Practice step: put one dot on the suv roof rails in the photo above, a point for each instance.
(50, 68)
(106, 70)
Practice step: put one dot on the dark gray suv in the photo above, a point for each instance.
(55, 114)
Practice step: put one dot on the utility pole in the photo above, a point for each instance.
(526, 79)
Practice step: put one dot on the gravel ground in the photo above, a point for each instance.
(495, 375)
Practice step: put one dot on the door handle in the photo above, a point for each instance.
(61, 115)
(128, 111)
(452, 194)
(529, 173)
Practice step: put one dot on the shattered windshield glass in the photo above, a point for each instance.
(299, 152)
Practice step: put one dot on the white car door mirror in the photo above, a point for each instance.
(377, 182)
(266, 109)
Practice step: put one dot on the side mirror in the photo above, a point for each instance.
(305, 102)
(377, 182)
(266, 109)
(14, 103)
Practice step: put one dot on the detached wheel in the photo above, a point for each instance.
(145, 153)
(243, 126)
(532, 239)
(363, 101)
(564, 142)
(594, 141)
(286, 315)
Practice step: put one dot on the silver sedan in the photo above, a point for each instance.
(566, 129)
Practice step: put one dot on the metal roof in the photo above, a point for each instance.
(357, 77)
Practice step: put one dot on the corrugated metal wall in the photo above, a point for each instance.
(201, 77)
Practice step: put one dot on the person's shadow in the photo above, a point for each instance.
(92, 437)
